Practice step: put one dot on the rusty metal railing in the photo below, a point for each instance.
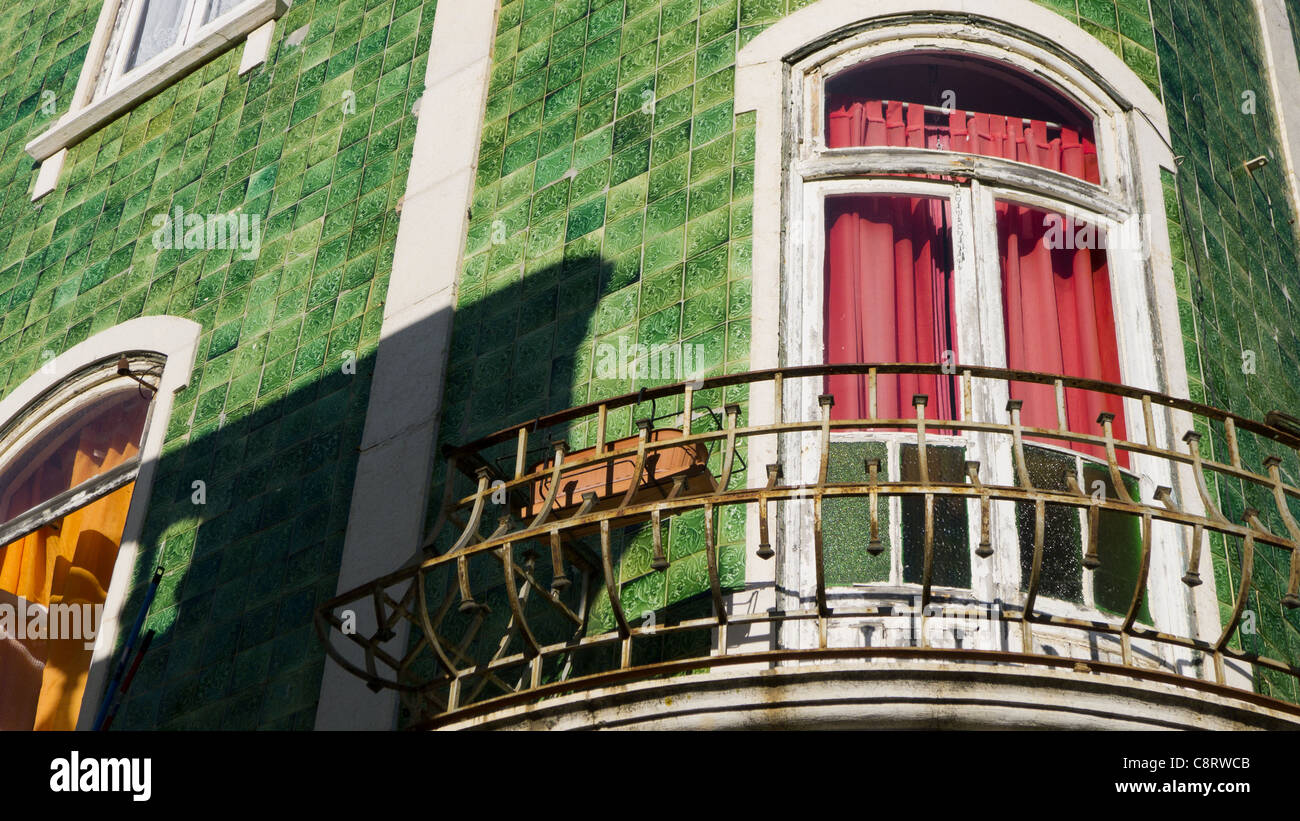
(501, 611)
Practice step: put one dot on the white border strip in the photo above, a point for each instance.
(394, 471)
(1284, 85)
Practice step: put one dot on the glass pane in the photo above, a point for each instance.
(161, 22)
(1059, 317)
(81, 447)
(888, 298)
(951, 540)
(216, 8)
(1119, 547)
(1061, 576)
(846, 523)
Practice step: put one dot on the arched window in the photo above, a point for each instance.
(980, 187)
(73, 477)
(66, 557)
(890, 264)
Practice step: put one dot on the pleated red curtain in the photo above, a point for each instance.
(889, 296)
(1057, 306)
(888, 299)
(860, 123)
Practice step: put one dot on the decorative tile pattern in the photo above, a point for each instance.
(316, 143)
(1235, 264)
(611, 190)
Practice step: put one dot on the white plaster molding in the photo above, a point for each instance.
(29, 407)
(47, 177)
(1284, 85)
(257, 47)
(829, 20)
(891, 694)
(394, 471)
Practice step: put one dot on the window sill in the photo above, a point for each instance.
(75, 125)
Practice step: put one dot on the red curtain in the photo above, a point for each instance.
(1057, 306)
(876, 123)
(888, 297)
(889, 287)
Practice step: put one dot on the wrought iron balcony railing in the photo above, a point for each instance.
(503, 596)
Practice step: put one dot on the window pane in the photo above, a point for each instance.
(216, 8)
(951, 540)
(960, 104)
(1119, 548)
(846, 522)
(81, 447)
(888, 298)
(1056, 302)
(160, 27)
(67, 562)
(1061, 575)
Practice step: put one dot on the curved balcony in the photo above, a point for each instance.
(517, 598)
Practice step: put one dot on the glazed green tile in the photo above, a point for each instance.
(630, 163)
(595, 115)
(674, 76)
(707, 232)
(585, 218)
(625, 234)
(552, 167)
(661, 290)
(626, 197)
(600, 82)
(519, 154)
(670, 143)
(590, 181)
(710, 195)
(704, 311)
(710, 159)
(666, 213)
(664, 250)
(561, 102)
(604, 20)
(631, 130)
(593, 148)
(668, 178)
(673, 108)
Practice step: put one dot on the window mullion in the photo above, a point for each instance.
(130, 32)
(194, 21)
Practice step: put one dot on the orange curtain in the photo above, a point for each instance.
(68, 562)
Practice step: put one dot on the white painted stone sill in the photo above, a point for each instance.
(76, 124)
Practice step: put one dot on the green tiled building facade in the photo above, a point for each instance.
(611, 206)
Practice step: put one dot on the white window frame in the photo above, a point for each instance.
(192, 31)
(820, 172)
(106, 89)
(66, 384)
(793, 172)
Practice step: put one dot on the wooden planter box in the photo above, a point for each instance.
(610, 480)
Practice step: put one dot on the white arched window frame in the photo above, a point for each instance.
(781, 76)
(67, 384)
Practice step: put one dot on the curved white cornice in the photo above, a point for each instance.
(170, 336)
(828, 20)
